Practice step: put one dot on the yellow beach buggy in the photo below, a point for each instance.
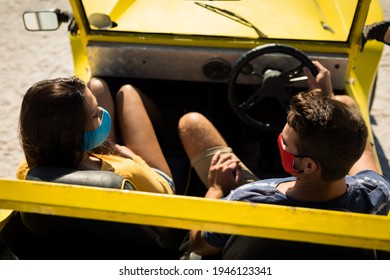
(236, 61)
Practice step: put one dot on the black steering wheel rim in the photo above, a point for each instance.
(251, 55)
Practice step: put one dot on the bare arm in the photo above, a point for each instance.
(367, 160)
(224, 175)
(200, 245)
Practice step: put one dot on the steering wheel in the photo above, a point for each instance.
(270, 72)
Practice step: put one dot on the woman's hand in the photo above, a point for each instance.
(122, 150)
(224, 175)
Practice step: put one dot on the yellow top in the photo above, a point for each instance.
(136, 170)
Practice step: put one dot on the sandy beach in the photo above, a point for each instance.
(28, 57)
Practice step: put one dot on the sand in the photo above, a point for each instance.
(28, 57)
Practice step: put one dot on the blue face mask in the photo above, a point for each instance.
(94, 138)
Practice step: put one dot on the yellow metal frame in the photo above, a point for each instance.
(80, 41)
(259, 220)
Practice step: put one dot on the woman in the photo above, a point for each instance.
(61, 124)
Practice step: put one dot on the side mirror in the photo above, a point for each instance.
(44, 20)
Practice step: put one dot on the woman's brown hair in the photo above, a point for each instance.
(52, 122)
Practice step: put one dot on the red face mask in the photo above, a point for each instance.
(287, 157)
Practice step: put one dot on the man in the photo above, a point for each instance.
(323, 141)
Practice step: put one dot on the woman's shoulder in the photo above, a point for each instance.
(22, 170)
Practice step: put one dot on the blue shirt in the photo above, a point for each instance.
(367, 192)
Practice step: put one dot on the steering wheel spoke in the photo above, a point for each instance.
(274, 83)
(284, 101)
(253, 100)
(293, 75)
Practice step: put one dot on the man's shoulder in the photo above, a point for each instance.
(264, 183)
(260, 191)
(368, 178)
(372, 190)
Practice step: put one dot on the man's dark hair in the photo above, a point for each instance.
(329, 131)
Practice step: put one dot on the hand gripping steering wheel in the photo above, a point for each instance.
(272, 70)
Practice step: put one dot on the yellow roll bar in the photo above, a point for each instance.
(260, 220)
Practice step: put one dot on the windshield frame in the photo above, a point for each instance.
(153, 37)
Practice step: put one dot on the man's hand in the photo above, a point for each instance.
(224, 175)
(322, 81)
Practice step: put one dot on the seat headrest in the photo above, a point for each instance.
(94, 178)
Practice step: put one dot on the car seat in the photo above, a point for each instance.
(59, 237)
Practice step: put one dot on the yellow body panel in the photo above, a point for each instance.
(321, 40)
(289, 223)
(5, 214)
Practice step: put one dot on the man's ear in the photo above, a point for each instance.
(310, 165)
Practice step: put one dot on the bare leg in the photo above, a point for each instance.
(104, 98)
(137, 129)
(198, 134)
(201, 140)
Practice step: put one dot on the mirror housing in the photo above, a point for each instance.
(46, 20)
